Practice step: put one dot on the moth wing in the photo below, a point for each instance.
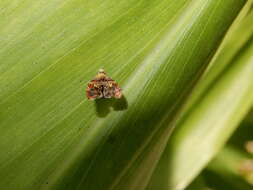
(93, 91)
(118, 93)
(107, 90)
(115, 90)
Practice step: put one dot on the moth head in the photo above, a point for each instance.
(101, 73)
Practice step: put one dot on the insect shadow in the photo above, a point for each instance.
(104, 105)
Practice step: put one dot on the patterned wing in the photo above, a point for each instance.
(94, 90)
(112, 89)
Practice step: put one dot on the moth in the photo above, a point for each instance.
(103, 86)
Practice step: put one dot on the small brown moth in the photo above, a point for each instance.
(102, 86)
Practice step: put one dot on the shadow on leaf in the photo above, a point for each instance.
(104, 106)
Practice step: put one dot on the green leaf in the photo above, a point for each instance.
(218, 103)
(51, 136)
(231, 165)
(234, 162)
